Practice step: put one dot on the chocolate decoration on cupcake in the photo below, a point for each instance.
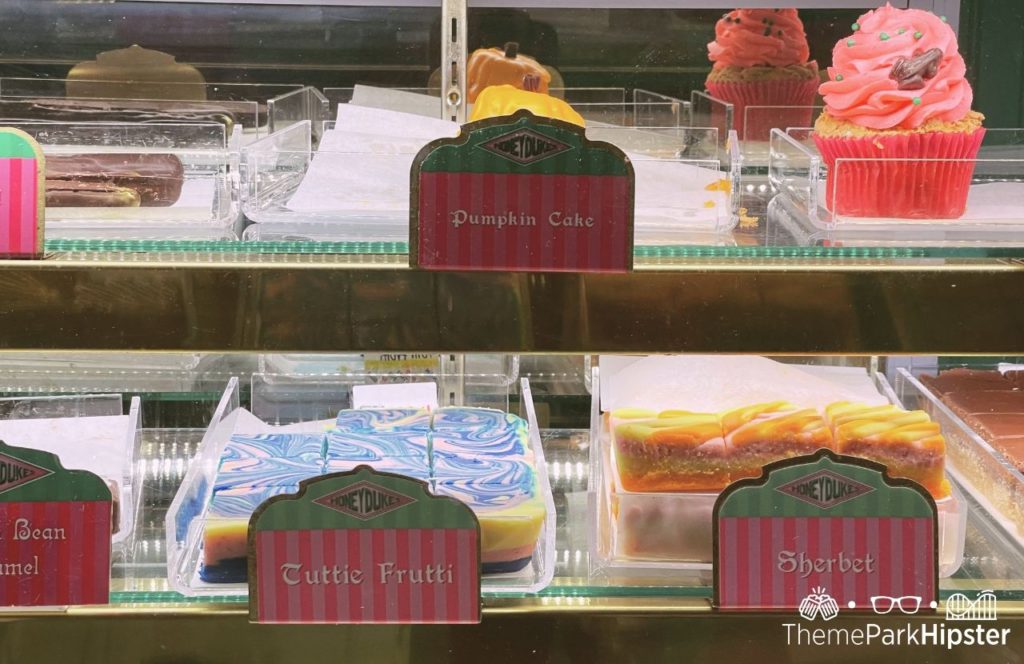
(911, 73)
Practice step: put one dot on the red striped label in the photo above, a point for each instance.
(775, 562)
(19, 206)
(54, 553)
(501, 221)
(369, 575)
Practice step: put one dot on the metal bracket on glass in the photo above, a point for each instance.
(453, 60)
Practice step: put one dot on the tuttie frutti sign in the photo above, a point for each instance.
(364, 547)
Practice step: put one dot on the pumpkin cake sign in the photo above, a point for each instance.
(521, 192)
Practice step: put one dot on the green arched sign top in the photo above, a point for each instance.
(16, 144)
(825, 484)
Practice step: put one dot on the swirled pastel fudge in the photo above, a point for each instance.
(907, 443)
(897, 91)
(506, 497)
(384, 419)
(764, 433)
(761, 59)
(225, 532)
(298, 446)
(459, 430)
(394, 441)
(266, 460)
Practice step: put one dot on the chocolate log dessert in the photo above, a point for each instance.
(107, 179)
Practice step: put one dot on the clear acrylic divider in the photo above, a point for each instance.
(311, 403)
(114, 461)
(708, 111)
(653, 109)
(138, 181)
(258, 119)
(629, 543)
(603, 104)
(358, 190)
(306, 103)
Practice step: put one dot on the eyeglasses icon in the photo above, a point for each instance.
(883, 604)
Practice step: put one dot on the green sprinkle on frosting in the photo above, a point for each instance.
(902, 30)
(918, 35)
(884, 36)
(839, 77)
(850, 42)
(855, 27)
(917, 101)
(944, 19)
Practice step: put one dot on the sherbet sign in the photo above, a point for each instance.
(824, 523)
(521, 193)
(364, 547)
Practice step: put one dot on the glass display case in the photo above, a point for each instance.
(153, 341)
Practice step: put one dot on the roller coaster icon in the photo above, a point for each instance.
(961, 607)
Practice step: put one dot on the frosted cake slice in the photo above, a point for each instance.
(225, 533)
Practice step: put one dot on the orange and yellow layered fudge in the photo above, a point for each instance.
(907, 443)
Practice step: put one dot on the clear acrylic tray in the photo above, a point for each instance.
(111, 457)
(257, 109)
(309, 401)
(995, 482)
(205, 207)
(357, 189)
(630, 531)
(804, 203)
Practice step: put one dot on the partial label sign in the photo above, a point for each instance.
(395, 395)
(522, 193)
(55, 527)
(401, 363)
(22, 195)
(821, 532)
(364, 547)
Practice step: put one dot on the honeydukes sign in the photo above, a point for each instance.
(820, 532)
(364, 547)
(521, 192)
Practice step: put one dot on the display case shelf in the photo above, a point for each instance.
(244, 302)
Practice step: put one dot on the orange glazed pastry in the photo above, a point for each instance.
(683, 453)
(760, 434)
(907, 443)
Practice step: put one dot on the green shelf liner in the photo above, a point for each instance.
(642, 252)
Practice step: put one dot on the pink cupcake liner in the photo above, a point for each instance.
(757, 125)
(935, 187)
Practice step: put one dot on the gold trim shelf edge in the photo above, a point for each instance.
(966, 307)
(1013, 610)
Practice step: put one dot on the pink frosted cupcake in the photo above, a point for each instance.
(760, 58)
(897, 92)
